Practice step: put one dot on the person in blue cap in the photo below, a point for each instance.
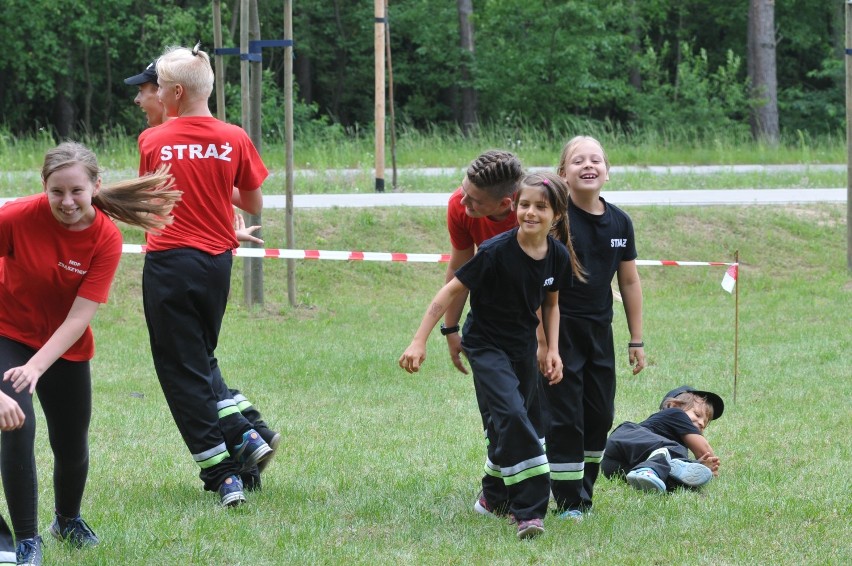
(155, 114)
(654, 455)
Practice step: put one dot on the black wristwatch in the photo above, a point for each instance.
(449, 330)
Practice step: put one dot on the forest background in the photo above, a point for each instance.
(679, 68)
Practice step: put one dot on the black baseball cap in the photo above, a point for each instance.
(149, 75)
(712, 398)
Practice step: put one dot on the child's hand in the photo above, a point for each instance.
(456, 351)
(552, 368)
(22, 377)
(413, 357)
(637, 359)
(11, 415)
(245, 234)
(541, 356)
(711, 462)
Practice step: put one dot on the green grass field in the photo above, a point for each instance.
(380, 467)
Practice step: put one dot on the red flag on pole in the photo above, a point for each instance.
(730, 278)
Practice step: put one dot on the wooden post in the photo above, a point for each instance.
(219, 65)
(253, 266)
(849, 135)
(379, 48)
(288, 147)
(390, 98)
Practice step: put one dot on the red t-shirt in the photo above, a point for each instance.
(44, 267)
(466, 231)
(208, 158)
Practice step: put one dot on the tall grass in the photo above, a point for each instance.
(343, 162)
(441, 146)
(378, 466)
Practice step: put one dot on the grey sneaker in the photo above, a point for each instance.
(646, 479)
(74, 531)
(28, 551)
(689, 473)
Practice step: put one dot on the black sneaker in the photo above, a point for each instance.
(75, 531)
(28, 551)
(231, 492)
(251, 479)
(251, 451)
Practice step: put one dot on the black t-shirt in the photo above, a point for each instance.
(601, 243)
(671, 423)
(506, 288)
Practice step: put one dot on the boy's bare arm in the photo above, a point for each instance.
(699, 446)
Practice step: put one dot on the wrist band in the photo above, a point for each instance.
(447, 330)
(635, 344)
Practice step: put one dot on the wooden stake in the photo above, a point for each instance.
(288, 147)
(390, 98)
(379, 48)
(219, 64)
(849, 135)
(736, 322)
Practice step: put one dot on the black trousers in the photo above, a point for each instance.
(517, 474)
(65, 394)
(185, 292)
(629, 447)
(579, 411)
(7, 544)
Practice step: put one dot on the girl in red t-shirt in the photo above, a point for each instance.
(59, 251)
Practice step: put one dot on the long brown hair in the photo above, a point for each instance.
(146, 202)
(557, 195)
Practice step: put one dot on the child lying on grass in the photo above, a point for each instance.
(652, 455)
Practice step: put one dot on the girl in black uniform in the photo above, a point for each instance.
(582, 407)
(511, 276)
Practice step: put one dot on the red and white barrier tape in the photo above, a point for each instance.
(322, 254)
(727, 283)
(384, 256)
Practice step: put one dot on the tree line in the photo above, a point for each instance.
(632, 64)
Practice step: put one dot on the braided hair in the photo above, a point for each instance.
(496, 172)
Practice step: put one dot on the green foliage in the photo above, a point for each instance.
(546, 60)
(805, 108)
(700, 97)
(306, 122)
(542, 64)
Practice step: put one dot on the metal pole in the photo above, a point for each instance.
(219, 63)
(737, 323)
(379, 49)
(288, 147)
(849, 135)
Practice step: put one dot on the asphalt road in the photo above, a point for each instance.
(619, 198)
